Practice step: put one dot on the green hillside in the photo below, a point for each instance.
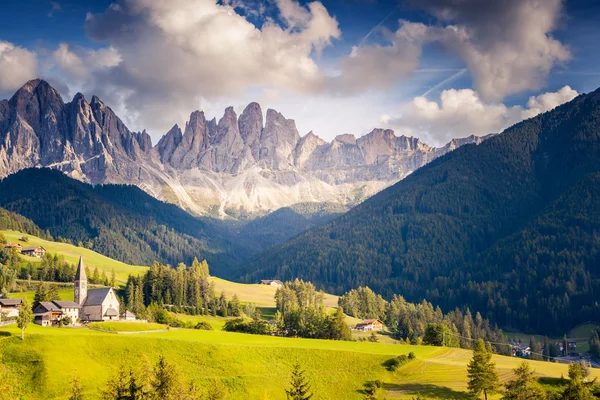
(72, 254)
(251, 367)
(508, 228)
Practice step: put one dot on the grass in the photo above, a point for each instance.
(261, 295)
(217, 323)
(71, 253)
(251, 366)
(126, 326)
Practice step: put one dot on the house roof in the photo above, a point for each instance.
(111, 312)
(80, 274)
(66, 304)
(10, 302)
(32, 248)
(95, 297)
(45, 306)
(269, 281)
(127, 314)
(370, 321)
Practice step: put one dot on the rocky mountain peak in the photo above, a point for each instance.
(249, 164)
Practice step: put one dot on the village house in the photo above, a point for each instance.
(369, 325)
(270, 282)
(49, 313)
(10, 307)
(35, 251)
(13, 245)
(96, 304)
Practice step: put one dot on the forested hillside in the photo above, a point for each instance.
(121, 222)
(509, 228)
(125, 223)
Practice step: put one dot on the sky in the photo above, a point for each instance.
(434, 69)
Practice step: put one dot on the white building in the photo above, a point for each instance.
(96, 304)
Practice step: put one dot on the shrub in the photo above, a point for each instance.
(399, 361)
(203, 325)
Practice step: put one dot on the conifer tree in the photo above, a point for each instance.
(524, 386)
(300, 388)
(165, 383)
(117, 388)
(577, 388)
(216, 390)
(76, 389)
(483, 377)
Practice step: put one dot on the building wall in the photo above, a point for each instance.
(110, 301)
(91, 313)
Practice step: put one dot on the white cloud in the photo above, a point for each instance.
(17, 66)
(461, 113)
(80, 62)
(173, 54)
(506, 45)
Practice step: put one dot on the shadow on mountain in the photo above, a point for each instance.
(427, 390)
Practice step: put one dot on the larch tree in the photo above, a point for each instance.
(481, 371)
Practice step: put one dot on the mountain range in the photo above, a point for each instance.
(509, 228)
(234, 167)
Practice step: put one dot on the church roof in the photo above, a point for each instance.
(95, 297)
(80, 274)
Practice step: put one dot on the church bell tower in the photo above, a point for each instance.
(80, 283)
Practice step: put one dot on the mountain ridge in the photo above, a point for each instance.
(236, 167)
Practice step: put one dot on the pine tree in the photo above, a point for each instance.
(546, 349)
(300, 388)
(135, 388)
(53, 293)
(41, 294)
(76, 389)
(483, 377)
(165, 383)
(24, 318)
(216, 390)
(577, 389)
(117, 388)
(524, 386)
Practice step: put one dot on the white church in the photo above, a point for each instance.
(95, 304)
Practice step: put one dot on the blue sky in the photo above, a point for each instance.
(432, 69)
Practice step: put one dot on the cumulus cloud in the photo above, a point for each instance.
(17, 65)
(81, 62)
(506, 45)
(461, 113)
(173, 54)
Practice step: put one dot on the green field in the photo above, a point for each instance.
(252, 367)
(71, 253)
(126, 326)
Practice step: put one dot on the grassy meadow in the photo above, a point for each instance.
(251, 366)
(72, 253)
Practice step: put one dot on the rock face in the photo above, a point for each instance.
(236, 167)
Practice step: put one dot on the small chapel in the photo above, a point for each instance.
(96, 304)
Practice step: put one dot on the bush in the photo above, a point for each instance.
(257, 327)
(204, 326)
(399, 361)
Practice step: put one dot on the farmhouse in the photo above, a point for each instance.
(369, 325)
(52, 312)
(96, 304)
(270, 282)
(36, 251)
(10, 307)
(13, 245)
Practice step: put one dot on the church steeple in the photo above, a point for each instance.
(80, 283)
